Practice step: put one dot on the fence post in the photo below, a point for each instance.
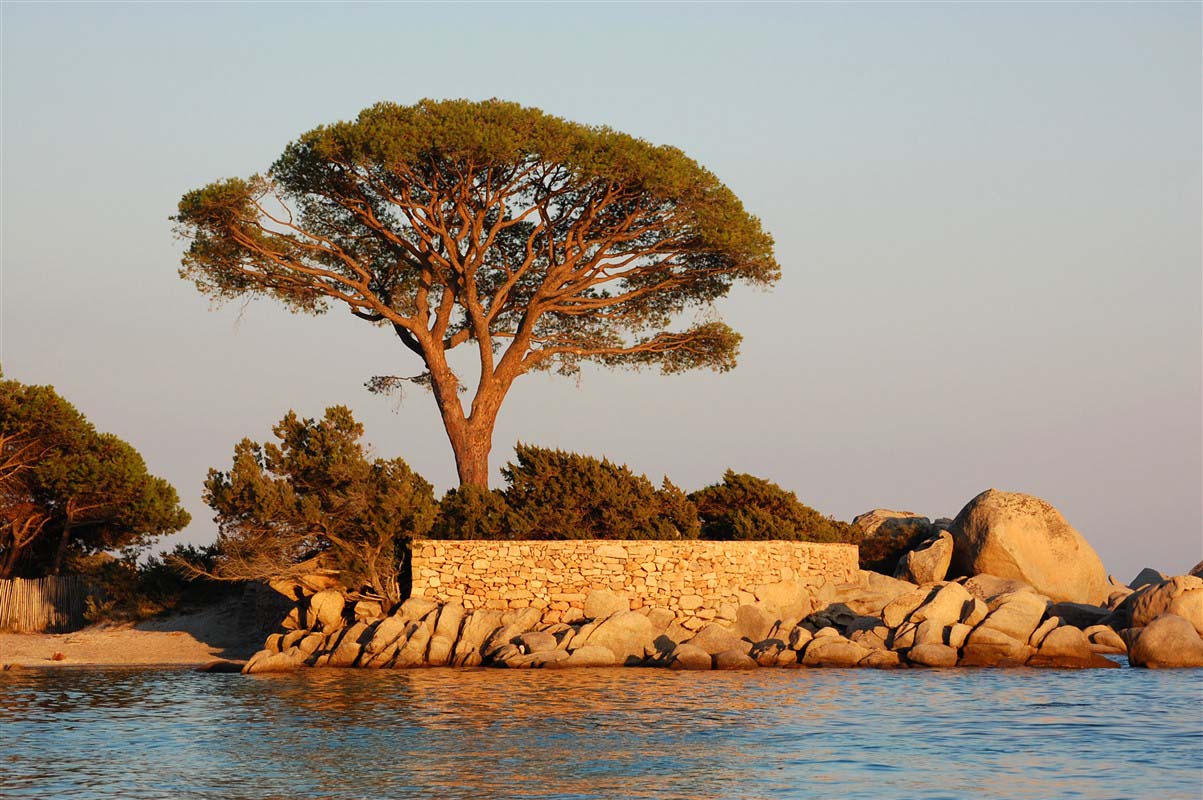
(54, 604)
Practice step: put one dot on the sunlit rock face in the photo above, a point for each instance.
(1181, 595)
(885, 536)
(938, 624)
(1018, 536)
(1168, 641)
(928, 562)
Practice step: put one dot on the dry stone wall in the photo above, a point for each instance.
(697, 580)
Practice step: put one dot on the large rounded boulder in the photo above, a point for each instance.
(927, 563)
(327, 608)
(1023, 538)
(1168, 641)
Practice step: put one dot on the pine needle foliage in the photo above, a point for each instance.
(745, 507)
(317, 493)
(539, 242)
(555, 494)
(68, 490)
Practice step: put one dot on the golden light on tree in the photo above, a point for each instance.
(543, 243)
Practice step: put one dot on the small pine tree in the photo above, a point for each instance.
(317, 492)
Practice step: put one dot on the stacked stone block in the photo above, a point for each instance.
(697, 580)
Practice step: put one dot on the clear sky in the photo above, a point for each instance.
(988, 219)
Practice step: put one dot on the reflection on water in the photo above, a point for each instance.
(602, 733)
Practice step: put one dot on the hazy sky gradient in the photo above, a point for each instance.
(988, 219)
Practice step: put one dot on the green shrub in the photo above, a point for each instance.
(678, 512)
(553, 494)
(166, 583)
(470, 512)
(99, 610)
(746, 507)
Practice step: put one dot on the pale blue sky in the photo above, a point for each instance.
(988, 219)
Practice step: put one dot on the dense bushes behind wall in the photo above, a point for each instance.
(553, 494)
(745, 507)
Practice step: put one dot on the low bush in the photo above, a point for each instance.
(745, 507)
(166, 583)
(470, 512)
(554, 494)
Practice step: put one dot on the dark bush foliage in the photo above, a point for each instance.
(746, 507)
(165, 583)
(317, 493)
(470, 512)
(553, 494)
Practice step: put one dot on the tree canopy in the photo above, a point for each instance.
(67, 490)
(542, 242)
(317, 494)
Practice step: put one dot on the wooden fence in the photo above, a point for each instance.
(54, 604)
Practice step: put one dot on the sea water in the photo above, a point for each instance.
(603, 733)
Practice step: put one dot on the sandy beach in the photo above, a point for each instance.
(180, 640)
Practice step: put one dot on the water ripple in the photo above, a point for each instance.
(1019, 734)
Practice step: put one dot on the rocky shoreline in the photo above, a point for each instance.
(1032, 593)
(877, 622)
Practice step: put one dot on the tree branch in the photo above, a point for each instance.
(407, 338)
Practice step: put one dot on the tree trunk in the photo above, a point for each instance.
(10, 563)
(20, 536)
(471, 435)
(471, 445)
(61, 554)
